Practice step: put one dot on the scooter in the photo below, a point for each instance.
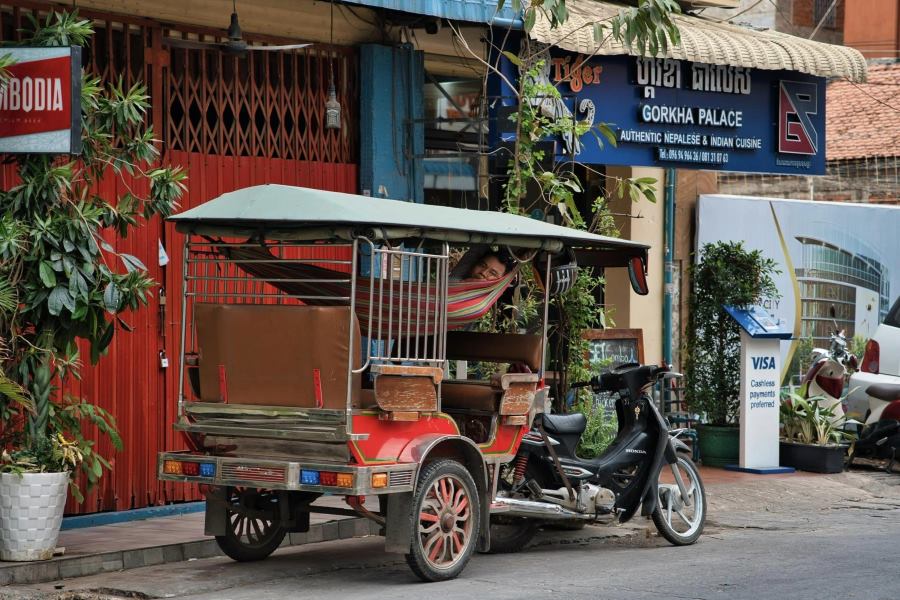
(827, 373)
(644, 468)
(880, 437)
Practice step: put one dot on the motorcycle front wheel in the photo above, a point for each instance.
(679, 521)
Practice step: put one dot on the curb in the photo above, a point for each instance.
(65, 567)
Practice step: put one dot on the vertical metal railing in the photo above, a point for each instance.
(407, 312)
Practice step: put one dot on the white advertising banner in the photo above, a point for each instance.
(829, 254)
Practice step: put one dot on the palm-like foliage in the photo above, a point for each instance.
(811, 421)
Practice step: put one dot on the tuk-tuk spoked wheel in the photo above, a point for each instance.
(447, 520)
(253, 530)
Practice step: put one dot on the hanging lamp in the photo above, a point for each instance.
(332, 106)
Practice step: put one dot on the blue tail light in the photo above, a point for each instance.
(207, 470)
(309, 477)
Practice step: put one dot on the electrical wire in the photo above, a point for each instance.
(822, 20)
(866, 93)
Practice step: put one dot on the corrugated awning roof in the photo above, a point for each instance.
(286, 212)
(480, 11)
(707, 41)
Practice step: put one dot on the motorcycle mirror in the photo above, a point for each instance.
(637, 273)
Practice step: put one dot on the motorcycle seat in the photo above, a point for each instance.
(884, 391)
(563, 424)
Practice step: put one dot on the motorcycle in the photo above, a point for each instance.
(827, 373)
(880, 437)
(644, 468)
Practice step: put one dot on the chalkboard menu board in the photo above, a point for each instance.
(611, 347)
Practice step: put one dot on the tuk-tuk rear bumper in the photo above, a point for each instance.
(285, 475)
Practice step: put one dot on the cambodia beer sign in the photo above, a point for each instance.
(40, 108)
(672, 113)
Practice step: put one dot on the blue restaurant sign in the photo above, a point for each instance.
(671, 113)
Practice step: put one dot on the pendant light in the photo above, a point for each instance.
(332, 106)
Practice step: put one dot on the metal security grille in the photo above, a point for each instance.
(117, 47)
(263, 104)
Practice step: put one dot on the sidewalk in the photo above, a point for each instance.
(154, 541)
(735, 500)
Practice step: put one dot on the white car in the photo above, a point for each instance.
(880, 364)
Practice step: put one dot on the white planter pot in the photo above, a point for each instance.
(31, 510)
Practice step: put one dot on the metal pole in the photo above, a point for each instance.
(184, 309)
(546, 316)
(669, 264)
(349, 406)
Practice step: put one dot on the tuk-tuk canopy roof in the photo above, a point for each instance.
(282, 212)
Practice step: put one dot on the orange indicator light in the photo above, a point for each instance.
(172, 467)
(345, 480)
(379, 480)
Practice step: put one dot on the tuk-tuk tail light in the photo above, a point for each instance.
(379, 480)
(326, 478)
(189, 468)
(172, 467)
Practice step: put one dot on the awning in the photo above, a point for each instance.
(284, 212)
(482, 11)
(707, 41)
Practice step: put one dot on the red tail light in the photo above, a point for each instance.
(870, 358)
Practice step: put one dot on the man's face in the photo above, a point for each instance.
(489, 267)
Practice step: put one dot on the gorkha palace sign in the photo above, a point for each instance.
(40, 103)
(671, 113)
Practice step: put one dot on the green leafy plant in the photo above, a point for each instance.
(727, 274)
(600, 430)
(62, 280)
(810, 421)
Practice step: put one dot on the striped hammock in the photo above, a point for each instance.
(407, 308)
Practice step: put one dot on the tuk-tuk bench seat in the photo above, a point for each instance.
(507, 394)
(470, 395)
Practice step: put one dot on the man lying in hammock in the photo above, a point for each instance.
(491, 266)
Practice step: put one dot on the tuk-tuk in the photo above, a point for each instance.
(317, 331)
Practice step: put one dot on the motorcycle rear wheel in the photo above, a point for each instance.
(512, 534)
(679, 524)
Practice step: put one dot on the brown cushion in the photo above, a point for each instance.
(471, 395)
(269, 353)
(495, 347)
(367, 398)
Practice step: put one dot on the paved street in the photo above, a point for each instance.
(793, 537)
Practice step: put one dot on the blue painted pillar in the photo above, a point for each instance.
(392, 134)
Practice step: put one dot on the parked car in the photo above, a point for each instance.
(880, 363)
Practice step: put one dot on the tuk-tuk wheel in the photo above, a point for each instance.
(447, 518)
(253, 530)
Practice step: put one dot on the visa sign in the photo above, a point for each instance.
(763, 362)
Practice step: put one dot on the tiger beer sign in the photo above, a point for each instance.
(40, 101)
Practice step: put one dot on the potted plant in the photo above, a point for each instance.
(62, 282)
(726, 274)
(812, 436)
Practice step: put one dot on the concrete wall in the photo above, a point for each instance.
(640, 221)
(873, 27)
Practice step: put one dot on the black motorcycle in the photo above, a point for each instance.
(645, 467)
(880, 437)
